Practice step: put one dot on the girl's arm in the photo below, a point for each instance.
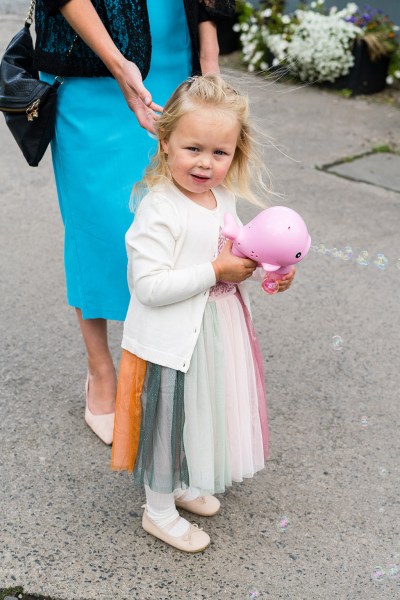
(83, 18)
(152, 241)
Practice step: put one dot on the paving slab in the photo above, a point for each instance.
(321, 520)
(379, 168)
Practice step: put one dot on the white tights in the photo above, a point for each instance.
(162, 510)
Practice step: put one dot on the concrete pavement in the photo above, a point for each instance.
(322, 520)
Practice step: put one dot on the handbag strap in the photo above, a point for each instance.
(29, 18)
(29, 21)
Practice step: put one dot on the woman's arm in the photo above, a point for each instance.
(209, 49)
(83, 18)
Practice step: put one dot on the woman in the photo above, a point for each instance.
(100, 148)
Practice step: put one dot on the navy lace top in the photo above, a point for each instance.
(128, 25)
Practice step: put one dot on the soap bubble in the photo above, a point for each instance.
(253, 594)
(381, 262)
(322, 249)
(337, 343)
(364, 421)
(362, 259)
(378, 574)
(393, 571)
(383, 471)
(336, 253)
(283, 524)
(347, 253)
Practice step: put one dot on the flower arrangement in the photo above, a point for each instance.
(312, 43)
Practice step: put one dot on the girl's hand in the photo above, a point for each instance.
(231, 268)
(137, 96)
(286, 281)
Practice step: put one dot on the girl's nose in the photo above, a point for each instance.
(204, 161)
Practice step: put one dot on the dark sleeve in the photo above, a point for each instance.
(52, 7)
(212, 9)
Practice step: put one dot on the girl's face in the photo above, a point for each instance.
(200, 151)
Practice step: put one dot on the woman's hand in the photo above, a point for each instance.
(137, 96)
(231, 268)
(286, 281)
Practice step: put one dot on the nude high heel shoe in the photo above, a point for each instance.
(101, 425)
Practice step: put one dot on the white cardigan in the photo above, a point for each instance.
(170, 246)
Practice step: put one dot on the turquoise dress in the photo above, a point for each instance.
(99, 152)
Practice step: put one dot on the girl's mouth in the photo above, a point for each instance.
(200, 178)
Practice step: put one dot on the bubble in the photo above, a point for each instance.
(393, 571)
(336, 253)
(364, 421)
(347, 253)
(383, 471)
(363, 258)
(322, 249)
(253, 594)
(337, 343)
(378, 574)
(381, 262)
(313, 248)
(283, 524)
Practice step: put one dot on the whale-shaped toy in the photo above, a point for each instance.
(277, 238)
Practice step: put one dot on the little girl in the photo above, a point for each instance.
(191, 413)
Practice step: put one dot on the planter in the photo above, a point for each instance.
(366, 76)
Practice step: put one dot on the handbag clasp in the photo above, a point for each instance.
(32, 112)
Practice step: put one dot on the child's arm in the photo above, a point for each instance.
(231, 268)
(152, 242)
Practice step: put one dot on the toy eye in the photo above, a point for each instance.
(298, 255)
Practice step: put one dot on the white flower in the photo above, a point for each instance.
(266, 13)
(250, 68)
(263, 65)
(397, 74)
(245, 26)
(389, 80)
(320, 47)
(313, 5)
(236, 27)
(333, 10)
(286, 19)
(275, 62)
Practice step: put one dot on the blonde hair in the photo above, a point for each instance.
(209, 91)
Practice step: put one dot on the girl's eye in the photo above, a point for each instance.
(220, 152)
(192, 149)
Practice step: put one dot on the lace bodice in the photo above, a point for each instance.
(128, 24)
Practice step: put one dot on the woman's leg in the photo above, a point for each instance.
(102, 377)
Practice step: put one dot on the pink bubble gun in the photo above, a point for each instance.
(277, 238)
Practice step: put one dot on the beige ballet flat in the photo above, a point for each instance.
(194, 540)
(205, 506)
(101, 425)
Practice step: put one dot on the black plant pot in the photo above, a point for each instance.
(366, 76)
(228, 40)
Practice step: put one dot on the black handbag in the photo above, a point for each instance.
(28, 104)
